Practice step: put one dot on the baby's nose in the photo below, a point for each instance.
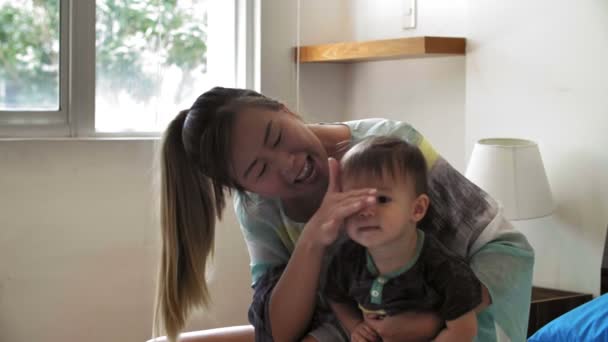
(368, 211)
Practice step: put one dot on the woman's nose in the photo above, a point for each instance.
(286, 163)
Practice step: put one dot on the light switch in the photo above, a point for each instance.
(408, 18)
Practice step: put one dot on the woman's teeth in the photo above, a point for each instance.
(305, 172)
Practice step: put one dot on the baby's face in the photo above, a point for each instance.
(387, 219)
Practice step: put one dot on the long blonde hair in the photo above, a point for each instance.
(194, 180)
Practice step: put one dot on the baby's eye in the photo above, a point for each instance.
(383, 199)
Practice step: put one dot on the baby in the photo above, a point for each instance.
(389, 265)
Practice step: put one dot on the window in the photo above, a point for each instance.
(31, 90)
(29, 56)
(116, 67)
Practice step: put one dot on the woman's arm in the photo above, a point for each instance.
(348, 316)
(486, 300)
(461, 329)
(293, 299)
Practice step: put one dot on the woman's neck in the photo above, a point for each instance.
(397, 253)
(334, 138)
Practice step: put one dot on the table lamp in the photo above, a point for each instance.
(512, 172)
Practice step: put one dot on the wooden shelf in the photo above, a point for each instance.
(382, 49)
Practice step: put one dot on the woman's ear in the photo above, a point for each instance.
(421, 204)
(289, 111)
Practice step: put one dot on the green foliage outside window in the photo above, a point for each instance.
(129, 33)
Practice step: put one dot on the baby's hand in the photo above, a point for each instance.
(404, 326)
(363, 333)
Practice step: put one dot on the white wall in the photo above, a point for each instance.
(428, 93)
(537, 69)
(322, 87)
(79, 244)
(532, 70)
(370, 20)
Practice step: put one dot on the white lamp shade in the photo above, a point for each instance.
(512, 172)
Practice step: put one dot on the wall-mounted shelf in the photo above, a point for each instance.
(382, 49)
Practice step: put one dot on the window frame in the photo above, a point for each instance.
(45, 122)
(76, 115)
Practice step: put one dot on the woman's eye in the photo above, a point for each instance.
(383, 199)
(261, 173)
(276, 143)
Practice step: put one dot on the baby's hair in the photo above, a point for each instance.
(378, 157)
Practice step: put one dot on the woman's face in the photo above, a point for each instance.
(275, 154)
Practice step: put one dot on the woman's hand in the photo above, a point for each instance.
(324, 226)
(407, 326)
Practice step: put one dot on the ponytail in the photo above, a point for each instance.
(194, 175)
(190, 203)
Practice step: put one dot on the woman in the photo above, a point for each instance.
(285, 178)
